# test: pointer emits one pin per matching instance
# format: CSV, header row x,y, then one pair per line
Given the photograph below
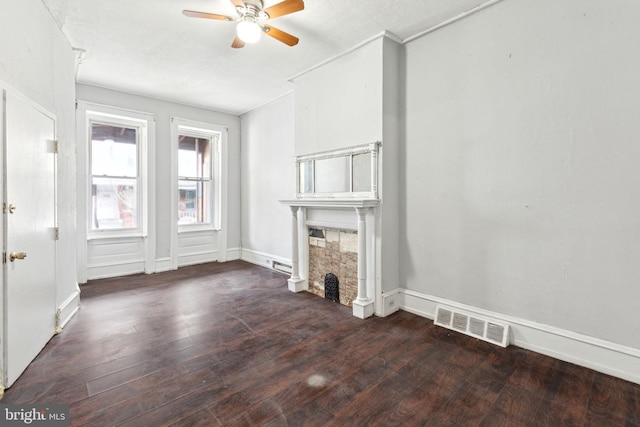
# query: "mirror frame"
x,y
371,148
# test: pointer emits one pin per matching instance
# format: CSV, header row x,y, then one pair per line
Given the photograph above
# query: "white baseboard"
x,y
166,264
197,258
106,270
390,303
122,268
593,353
263,259
163,264
234,254
69,308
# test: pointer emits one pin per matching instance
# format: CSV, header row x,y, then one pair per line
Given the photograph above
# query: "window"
x,y
198,175
116,146
194,184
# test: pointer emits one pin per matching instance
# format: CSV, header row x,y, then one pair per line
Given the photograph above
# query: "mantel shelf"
x,y
332,203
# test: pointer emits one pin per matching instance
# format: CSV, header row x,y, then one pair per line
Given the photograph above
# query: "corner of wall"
x,y
68,309
390,302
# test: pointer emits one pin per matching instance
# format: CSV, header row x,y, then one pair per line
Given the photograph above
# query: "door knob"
x,y
17,255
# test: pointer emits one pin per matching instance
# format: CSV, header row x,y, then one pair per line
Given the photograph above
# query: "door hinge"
x,y
56,233
4,208
56,145
4,257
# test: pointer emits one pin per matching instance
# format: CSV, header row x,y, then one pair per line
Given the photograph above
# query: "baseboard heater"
x,y
473,325
278,266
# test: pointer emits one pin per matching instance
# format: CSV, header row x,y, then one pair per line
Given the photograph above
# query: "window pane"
x,y
187,159
114,203
194,203
194,157
204,158
113,150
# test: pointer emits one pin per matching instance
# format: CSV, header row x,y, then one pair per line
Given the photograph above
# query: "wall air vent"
x,y
281,267
473,325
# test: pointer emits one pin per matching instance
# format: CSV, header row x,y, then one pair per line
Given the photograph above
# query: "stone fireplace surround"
x,y
334,251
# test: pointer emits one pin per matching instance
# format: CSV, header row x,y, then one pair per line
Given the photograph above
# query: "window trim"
x,y
216,134
213,138
218,235
143,123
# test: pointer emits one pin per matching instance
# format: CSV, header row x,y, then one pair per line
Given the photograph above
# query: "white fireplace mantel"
x,y
332,203
363,305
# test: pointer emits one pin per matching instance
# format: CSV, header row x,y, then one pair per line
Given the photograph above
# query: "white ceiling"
x,y
148,47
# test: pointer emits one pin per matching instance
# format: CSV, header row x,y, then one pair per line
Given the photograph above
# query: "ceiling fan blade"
x,y
284,8
280,35
237,3
194,14
237,43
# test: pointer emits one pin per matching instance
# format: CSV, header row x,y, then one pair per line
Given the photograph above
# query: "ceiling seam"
x,y
451,21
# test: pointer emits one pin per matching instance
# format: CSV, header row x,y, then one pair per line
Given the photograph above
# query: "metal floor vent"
x,y
283,268
473,325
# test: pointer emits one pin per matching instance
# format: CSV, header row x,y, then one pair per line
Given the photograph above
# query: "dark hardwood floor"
x,y
228,344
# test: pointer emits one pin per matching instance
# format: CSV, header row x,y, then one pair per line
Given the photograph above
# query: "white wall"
x,y
37,60
521,162
163,111
268,175
339,104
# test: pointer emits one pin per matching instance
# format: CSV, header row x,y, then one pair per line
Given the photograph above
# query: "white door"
x,y
29,234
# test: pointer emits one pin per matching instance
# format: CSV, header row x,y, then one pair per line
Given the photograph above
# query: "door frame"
x,y
4,89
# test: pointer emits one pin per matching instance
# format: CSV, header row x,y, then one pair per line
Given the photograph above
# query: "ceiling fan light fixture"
x,y
249,31
251,20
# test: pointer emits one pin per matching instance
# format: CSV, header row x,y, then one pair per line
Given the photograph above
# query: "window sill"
x,y
115,235
192,228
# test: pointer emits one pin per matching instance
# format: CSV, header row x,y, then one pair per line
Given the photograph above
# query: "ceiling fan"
x,y
251,17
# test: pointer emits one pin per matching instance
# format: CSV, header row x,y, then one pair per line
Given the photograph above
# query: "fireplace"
x,y
338,190
366,259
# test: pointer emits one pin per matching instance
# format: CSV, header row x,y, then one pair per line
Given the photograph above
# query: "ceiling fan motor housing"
x,y
253,10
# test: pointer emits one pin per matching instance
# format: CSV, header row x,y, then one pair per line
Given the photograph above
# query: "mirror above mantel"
x,y
349,173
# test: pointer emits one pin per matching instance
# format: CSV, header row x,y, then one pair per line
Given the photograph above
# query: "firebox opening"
x,y
332,287
333,252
